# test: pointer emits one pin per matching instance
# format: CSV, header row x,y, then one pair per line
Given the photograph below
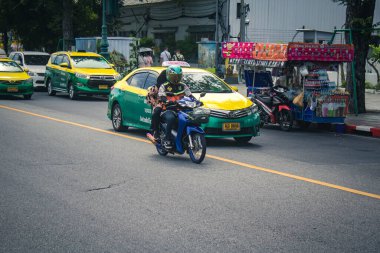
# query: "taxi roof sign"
x,y
179,63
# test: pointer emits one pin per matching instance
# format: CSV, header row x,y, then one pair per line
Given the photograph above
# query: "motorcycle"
x,y
188,136
274,107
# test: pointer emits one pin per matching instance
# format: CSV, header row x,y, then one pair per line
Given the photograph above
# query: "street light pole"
x,y
104,43
216,36
242,21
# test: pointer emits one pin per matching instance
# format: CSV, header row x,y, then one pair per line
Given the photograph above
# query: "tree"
x,y
373,59
359,18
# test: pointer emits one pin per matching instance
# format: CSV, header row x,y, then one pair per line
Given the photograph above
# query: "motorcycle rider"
x,y
168,93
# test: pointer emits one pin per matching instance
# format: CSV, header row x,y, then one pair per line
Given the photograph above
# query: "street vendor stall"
x,y
320,100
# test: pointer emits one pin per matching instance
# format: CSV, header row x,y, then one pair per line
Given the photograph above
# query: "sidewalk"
x,y
367,123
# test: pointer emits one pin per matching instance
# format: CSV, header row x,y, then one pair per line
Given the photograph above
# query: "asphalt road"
x,y
69,183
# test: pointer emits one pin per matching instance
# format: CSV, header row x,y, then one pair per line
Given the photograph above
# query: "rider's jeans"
x,y
169,118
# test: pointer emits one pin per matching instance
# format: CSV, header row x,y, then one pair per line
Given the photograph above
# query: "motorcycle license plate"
x,y
12,89
103,87
231,126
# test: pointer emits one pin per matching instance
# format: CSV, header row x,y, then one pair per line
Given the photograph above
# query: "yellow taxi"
x,y
232,114
14,80
79,73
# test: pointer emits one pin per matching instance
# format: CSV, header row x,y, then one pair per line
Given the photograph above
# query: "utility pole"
x,y
104,43
242,21
216,36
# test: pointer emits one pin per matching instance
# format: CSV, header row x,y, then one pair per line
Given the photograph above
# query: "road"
x,y
69,183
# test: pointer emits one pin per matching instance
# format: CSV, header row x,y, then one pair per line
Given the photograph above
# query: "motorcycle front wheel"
x,y
161,150
198,151
286,120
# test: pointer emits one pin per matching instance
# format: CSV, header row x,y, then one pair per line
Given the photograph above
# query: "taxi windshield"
x,y
90,62
205,82
10,66
36,59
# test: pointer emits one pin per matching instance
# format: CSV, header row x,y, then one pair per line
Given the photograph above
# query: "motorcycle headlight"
x,y
82,76
117,77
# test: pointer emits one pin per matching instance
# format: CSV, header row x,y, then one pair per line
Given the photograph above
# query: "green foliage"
x,y
375,55
369,85
188,48
147,42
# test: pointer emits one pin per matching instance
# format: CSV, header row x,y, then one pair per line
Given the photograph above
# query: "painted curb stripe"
x,y
218,158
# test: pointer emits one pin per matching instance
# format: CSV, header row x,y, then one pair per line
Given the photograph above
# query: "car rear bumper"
x,y
249,126
20,89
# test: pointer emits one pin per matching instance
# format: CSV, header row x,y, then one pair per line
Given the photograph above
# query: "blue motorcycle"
x,y
188,136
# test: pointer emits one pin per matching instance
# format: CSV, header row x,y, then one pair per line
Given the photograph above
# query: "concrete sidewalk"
x,y
368,123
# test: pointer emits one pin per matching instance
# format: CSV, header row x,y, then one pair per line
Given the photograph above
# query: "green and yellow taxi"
x,y
232,114
79,73
14,80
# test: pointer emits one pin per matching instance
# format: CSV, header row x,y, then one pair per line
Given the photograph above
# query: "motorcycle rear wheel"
x,y
198,152
286,120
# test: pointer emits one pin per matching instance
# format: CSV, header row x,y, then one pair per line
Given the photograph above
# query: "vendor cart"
x,y
320,101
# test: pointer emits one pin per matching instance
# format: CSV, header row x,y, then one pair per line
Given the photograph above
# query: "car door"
x,y
63,74
150,81
55,72
134,100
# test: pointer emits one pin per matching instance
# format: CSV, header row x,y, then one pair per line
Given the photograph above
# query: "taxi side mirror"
x,y
64,65
234,88
112,65
26,70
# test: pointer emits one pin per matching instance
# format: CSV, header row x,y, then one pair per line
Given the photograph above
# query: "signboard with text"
x,y
298,51
257,51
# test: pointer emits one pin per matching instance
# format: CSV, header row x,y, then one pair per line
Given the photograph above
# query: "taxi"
x,y
14,80
232,114
79,73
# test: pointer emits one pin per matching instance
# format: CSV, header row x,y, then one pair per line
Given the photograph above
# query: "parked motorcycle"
x,y
188,136
274,107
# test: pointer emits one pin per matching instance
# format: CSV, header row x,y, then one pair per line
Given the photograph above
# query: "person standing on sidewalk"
x,y
165,55
178,56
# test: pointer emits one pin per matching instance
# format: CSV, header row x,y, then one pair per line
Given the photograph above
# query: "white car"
x,y
35,62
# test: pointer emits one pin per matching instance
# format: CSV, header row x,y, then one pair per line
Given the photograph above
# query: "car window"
x,y
205,82
90,62
53,59
35,59
58,60
66,60
138,79
11,56
150,81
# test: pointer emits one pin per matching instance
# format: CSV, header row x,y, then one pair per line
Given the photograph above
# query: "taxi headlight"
x,y
117,77
29,80
254,108
201,111
31,73
82,76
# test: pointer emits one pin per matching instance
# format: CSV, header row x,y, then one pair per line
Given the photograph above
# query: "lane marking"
x,y
218,158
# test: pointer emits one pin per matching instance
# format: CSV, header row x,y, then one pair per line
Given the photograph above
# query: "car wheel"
x,y
243,140
72,93
28,97
50,90
117,119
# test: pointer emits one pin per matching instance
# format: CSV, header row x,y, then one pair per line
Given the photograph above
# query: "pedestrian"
x,y
148,60
165,55
141,60
178,56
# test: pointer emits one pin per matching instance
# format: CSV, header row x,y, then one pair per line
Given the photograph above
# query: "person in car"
x,y
170,92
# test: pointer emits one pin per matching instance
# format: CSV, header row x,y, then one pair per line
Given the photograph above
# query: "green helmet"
x,y
174,74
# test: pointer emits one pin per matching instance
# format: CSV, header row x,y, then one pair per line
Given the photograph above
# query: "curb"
x,y
373,131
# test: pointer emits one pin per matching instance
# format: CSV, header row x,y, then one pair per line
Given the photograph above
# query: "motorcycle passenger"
x,y
152,99
170,92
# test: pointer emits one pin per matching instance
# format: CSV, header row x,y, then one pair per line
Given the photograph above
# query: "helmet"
x,y
174,74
